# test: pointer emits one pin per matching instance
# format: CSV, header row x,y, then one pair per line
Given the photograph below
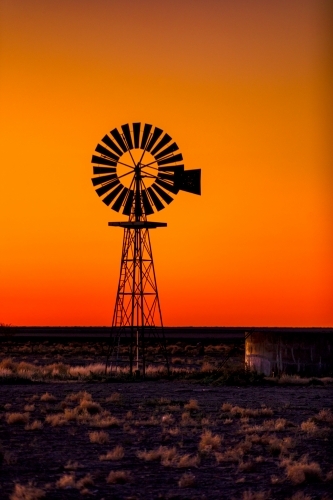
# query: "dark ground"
x,y
279,454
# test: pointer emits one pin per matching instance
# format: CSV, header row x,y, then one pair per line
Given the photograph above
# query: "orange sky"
x,y
242,86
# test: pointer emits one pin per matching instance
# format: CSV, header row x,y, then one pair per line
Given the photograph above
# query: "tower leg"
x,y
137,313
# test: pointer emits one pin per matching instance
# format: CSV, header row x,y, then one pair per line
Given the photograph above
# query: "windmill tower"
x,y
136,170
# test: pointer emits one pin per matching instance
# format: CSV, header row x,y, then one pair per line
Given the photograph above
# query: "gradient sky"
x,y
242,86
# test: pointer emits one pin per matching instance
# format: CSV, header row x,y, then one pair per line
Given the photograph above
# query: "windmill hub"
x,y
138,171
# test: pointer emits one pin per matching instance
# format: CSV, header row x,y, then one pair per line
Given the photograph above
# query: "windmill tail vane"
x,y
137,170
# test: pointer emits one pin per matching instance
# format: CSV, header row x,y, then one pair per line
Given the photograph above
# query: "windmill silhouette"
x,y
137,168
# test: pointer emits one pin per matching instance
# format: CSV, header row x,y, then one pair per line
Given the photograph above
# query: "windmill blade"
x,y
167,177
136,133
109,142
102,161
170,149
190,181
162,193
163,142
145,135
104,170
111,196
172,168
119,201
105,178
101,149
171,159
155,199
169,187
119,139
104,189
148,209
129,203
127,134
156,134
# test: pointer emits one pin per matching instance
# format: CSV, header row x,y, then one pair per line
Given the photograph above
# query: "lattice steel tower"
x,y
135,169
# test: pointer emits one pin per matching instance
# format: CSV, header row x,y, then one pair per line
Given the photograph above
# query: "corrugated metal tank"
x,y
295,353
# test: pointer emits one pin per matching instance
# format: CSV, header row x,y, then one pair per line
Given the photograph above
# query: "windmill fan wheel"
x,y
137,168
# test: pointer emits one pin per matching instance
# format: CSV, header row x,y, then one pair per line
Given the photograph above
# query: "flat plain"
x,y
162,439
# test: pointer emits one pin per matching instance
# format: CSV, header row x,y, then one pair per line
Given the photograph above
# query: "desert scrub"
x,y
256,495
302,471
192,405
161,453
118,477
17,418
66,481
187,480
47,397
99,437
116,454
34,426
27,492
209,442
309,426
240,412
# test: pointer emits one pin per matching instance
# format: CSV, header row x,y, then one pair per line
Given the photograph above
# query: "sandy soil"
x,y
248,457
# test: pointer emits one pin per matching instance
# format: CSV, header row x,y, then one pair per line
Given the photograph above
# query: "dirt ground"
x,y
175,440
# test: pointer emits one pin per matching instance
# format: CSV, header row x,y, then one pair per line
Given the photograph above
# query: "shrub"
x,y
99,437
17,418
116,454
47,397
161,453
208,442
26,492
302,471
118,477
192,405
187,480
56,420
29,408
256,495
309,427
35,425
116,397
66,481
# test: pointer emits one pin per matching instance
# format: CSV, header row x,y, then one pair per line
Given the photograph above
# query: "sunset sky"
x,y
242,86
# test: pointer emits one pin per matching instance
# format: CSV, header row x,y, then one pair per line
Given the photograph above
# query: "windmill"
x,y
137,168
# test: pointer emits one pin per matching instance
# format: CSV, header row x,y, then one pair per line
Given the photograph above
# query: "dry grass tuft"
x,y
84,482
66,481
302,471
17,418
161,453
26,492
116,454
167,419
76,397
34,426
29,407
240,412
99,437
56,420
325,416
300,495
256,495
118,477
71,465
47,397
209,442
309,427
116,397
183,461
192,405
187,480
